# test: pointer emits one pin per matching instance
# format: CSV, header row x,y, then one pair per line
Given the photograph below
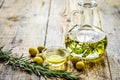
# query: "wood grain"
x,y
1,3
110,17
29,23
6,37
98,72
22,27
55,30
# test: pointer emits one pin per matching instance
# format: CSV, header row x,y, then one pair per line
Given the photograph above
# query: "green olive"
x,y
80,65
38,60
33,52
40,55
40,48
74,59
69,57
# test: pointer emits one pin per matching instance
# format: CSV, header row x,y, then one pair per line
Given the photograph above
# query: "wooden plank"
x,y
1,3
56,34
5,38
55,31
110,14
6,73
23,25
15,31
34,77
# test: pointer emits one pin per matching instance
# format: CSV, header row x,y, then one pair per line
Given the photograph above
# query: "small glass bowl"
x,y
55,55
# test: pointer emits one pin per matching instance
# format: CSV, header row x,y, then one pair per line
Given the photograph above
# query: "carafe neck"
x,y
88,7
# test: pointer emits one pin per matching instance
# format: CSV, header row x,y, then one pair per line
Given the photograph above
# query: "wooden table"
x,y
30,23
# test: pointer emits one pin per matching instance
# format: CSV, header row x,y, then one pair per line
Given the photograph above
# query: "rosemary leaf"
x,y
31,67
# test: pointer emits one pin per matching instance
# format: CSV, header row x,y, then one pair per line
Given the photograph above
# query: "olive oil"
x,y
55,59
86,43
55,56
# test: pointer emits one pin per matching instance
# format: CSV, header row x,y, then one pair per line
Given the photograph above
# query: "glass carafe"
x,y
85,40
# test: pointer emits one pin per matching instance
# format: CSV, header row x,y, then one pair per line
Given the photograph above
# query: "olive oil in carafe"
x,y
86,40
88,43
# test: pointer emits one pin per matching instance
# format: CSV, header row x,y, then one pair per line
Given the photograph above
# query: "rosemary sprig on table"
x,y
31,67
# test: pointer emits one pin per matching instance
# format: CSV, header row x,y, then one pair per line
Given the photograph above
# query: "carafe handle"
x,y
76,16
